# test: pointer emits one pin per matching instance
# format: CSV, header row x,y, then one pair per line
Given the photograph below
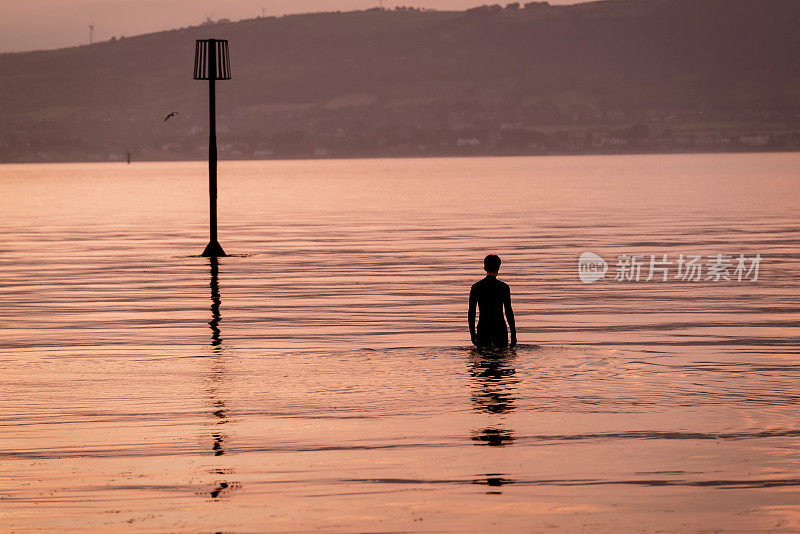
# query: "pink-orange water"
x,y
321,379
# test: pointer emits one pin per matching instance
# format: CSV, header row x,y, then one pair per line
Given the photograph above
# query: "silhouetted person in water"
x,y
491,295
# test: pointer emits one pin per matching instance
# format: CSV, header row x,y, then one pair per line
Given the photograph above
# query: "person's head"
x,y
491,264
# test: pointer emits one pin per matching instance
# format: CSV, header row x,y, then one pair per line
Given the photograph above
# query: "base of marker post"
x,y
213,250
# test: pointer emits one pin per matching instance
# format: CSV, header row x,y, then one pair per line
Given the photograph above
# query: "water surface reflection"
x,y
217,377
216,301
494,381
493,387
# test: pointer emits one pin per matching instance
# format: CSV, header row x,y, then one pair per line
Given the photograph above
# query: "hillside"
x,y
612,76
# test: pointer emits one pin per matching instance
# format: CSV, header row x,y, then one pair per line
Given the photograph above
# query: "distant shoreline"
x,y
420,156
524,79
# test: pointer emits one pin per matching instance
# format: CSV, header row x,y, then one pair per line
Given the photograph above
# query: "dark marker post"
x,y
212,62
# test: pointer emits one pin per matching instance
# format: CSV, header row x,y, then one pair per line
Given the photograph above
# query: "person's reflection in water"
x,y
216,376
494,380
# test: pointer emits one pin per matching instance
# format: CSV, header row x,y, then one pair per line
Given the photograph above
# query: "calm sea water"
x,y
322,379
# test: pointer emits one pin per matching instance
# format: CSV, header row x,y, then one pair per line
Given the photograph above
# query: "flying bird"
x,y
173,114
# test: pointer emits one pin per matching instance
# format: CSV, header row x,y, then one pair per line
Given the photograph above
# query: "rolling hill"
x,y
609,76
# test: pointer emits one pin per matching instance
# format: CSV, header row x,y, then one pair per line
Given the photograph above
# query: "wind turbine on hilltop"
x,y
91,33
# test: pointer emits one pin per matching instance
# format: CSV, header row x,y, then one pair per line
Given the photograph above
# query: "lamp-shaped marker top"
x,y
212,62
220,60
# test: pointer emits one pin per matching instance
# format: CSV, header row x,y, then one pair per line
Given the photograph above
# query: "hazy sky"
x,y
43,24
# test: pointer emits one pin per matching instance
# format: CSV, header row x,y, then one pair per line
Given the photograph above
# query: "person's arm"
x,y
510,316
473,301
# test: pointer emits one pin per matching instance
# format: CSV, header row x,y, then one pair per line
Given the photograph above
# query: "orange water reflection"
x,y
335,388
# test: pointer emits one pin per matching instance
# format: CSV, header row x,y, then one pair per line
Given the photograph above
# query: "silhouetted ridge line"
x,y
602,77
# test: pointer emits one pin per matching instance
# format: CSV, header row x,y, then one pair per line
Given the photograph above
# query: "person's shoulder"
x,y
480,283
503,285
